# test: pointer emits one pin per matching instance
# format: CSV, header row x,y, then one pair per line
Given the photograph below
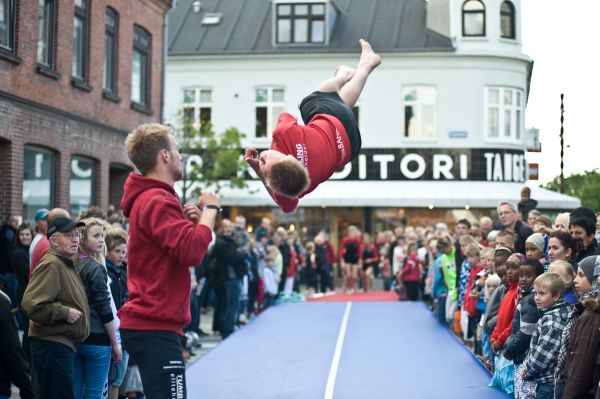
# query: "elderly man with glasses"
x,y
56,303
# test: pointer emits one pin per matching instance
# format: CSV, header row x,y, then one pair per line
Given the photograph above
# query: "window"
x,y
269,103
504,116
473,18
111,24
301,23
45,46
38,180
80,39
7,25
507,20
197,107
419,112
140,68
82,184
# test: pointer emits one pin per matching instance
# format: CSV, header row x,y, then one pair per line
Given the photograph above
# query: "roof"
x,y
245,28
409,194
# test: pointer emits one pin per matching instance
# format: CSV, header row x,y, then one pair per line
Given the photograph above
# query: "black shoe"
x,y
200,333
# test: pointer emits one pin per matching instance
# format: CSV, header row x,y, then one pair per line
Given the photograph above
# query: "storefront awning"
x,y
409,194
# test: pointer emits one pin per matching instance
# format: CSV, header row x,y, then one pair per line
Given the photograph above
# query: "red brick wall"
x,y
89,125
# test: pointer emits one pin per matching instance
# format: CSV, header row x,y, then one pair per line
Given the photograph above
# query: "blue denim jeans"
x,y
91,370
233,289
116,373
441,310
545,391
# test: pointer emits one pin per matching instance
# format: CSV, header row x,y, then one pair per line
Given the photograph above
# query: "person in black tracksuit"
x,y
230,266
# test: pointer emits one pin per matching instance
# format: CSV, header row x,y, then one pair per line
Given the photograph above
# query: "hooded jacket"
x,y
162,245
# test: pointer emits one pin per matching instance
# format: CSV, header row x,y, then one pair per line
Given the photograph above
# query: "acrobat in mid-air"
x,y
302,157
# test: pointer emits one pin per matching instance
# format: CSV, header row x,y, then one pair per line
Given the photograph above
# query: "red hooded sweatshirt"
x,y
162,245
506,313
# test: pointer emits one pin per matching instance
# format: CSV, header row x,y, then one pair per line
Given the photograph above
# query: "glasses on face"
x,y
71,236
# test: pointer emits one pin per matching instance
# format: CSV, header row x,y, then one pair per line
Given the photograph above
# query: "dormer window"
x,y
300,23
473,18
507,20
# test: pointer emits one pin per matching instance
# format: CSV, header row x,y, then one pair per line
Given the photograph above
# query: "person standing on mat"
x,y
165,239
302,157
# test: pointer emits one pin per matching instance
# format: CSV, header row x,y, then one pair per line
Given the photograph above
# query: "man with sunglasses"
x,y
56,304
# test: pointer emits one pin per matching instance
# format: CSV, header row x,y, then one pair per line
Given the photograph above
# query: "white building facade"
x,y
442,118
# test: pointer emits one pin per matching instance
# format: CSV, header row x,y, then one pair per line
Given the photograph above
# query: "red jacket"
x,y
506,313
162,245
470,303
410,270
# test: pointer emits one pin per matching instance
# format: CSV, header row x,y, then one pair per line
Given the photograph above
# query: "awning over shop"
x,y
410,194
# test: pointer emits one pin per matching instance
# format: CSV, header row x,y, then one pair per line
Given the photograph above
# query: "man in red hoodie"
x,y
164,241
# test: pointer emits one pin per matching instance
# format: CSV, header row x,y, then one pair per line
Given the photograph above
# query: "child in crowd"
x,y
275,253
584,281
411,273
506,312
506,238
492,283
565,270
542,359
438,289
536,247
302,157
490,318
116,245
491,238
310,269
270,281
448,268
526,317
472,293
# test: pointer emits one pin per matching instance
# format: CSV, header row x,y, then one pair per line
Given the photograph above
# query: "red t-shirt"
x,y
313,145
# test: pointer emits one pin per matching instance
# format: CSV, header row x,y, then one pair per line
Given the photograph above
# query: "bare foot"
x,y
368,57
344,72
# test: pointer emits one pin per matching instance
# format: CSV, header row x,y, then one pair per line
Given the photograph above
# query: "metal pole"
x,y
562,144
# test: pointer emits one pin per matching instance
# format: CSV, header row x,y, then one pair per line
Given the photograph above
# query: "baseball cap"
x,y
41,214
62,224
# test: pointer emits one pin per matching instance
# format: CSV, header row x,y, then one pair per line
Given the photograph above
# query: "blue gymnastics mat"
x,y
389,350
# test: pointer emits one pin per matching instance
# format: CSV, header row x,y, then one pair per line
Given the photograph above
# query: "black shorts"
x,y
331,104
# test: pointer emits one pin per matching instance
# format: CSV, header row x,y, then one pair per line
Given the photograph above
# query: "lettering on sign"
x,y
439,164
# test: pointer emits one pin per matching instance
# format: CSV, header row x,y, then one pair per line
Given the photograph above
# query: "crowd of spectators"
x,y
520,291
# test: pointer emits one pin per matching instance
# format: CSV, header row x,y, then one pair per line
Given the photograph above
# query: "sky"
x,y
563,39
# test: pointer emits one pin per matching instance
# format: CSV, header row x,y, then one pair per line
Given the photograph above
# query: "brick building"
x,y
75,77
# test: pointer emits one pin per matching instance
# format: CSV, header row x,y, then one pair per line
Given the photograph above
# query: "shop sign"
x,y
438,164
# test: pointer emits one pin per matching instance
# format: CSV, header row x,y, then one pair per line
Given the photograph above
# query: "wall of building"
x,y
460,83
52,113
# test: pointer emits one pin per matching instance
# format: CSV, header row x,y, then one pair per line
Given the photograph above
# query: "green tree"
x,y
585,186
214,160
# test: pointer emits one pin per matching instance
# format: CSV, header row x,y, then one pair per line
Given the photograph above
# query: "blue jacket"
x,y
439,286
